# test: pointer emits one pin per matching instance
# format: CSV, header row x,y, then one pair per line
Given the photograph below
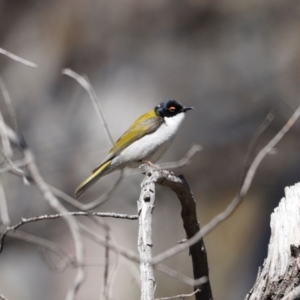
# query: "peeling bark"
x,y
280,273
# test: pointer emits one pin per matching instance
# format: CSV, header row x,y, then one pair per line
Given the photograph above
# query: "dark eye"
x,y
172,109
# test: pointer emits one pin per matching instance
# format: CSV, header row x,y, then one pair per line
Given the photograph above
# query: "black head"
x,y
170,108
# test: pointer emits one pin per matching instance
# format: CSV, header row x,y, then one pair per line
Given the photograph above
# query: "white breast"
x,y
151,146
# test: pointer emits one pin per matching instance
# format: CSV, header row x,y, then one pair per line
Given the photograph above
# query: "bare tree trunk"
x,y
281,270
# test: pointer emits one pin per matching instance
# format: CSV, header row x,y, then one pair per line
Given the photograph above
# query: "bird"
x,y
146,140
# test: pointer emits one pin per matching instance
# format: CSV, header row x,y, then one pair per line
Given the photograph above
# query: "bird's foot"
x,y
149,163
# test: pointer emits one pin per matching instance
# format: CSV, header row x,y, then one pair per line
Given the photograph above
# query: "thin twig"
x,y
58,193
4,137
130,255
4,216
18,141
132,269
254,143
54,266
91,205
88,87
2,297
179,276
10,107
56,205
18,58
183,161
183,296
237,199
13,165
46,244
106,268
108,289
62,215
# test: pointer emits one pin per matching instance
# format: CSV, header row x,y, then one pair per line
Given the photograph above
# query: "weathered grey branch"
x,y
9,105
146,205
67,258
190,222
18,58
2,297
183,296
84,82
57,216
4,216
4,137
185,160
93,204
281,269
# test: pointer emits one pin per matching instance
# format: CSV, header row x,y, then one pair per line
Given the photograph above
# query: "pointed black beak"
x,y
186,108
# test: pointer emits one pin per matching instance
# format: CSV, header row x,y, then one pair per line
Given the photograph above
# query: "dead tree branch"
x,y
18,58
9,105
183,296
179,276
66,259
93,204
190,222
88,87
280,273
185,160
146,205
57,216
2,297
4,216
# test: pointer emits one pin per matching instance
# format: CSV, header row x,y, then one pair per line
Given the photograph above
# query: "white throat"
x,y
174,122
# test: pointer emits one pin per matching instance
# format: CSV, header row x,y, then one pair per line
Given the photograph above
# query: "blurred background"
x,y
232,60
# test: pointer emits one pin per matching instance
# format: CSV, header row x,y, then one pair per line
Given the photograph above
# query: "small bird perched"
x,y
147,139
